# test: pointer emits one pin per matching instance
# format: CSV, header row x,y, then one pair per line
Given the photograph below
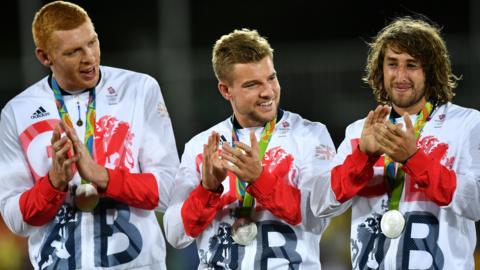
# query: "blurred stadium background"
x,y
320,52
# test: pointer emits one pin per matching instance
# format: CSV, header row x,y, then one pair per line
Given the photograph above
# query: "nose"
x,y
88,56
268,91
401,73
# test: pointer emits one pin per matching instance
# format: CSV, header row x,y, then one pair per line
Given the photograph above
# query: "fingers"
x,y
70,133
376,113
253,141
408,122
234,169
391,132
384,143
67,165
377,116
206,168
62,151
56,134
59,143
385,136
369,121
206,156
239,153
242,150
395,129
209,150
231,158
213,142
380,114
231,154
383,113
77,144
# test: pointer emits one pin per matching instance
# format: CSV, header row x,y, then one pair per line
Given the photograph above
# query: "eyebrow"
x,y
249,82
273,74
392,58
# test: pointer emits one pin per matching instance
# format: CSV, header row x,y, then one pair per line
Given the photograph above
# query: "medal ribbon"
x,y
245,198
90,120
394,173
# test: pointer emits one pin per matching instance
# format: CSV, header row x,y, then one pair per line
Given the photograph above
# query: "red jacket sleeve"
x,y
199,210
139,190
40,204
353,175
437,181
278,196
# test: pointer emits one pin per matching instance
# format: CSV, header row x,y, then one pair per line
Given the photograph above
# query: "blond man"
x,y
243,186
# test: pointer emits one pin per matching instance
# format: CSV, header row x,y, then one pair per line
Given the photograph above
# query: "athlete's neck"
x,y
72,92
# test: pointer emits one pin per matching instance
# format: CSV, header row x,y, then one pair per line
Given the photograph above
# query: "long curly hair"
x,y
422,41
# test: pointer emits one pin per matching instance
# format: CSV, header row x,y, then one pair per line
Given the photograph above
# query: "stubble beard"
x,y
407,102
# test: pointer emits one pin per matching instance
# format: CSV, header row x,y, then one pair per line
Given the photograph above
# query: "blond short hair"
x,y
58,15
422,41
240,46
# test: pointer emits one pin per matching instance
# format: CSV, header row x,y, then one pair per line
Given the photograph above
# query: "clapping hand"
x,y
368,142
244,160
87,167
213,168
398,144
63,161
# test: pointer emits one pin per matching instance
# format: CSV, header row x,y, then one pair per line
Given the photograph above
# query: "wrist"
x,y
55,182
103,178
364,151
253,179
409,157
212,188
361,148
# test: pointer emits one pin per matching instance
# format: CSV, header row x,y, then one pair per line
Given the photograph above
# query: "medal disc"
x,y
392,223
86,197
244,232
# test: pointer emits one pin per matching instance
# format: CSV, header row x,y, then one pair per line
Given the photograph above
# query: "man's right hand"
x,y
213,168
368,143
62,169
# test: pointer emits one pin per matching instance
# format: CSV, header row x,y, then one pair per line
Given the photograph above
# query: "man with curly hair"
x,y
413,164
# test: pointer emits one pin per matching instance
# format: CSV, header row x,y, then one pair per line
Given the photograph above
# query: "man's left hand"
x,y
398,144
244,160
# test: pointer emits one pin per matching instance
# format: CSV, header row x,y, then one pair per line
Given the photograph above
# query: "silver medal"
x,y
86,197
244,232
392,223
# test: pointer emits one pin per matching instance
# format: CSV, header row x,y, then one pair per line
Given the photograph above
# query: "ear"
x,y
43,57
224,90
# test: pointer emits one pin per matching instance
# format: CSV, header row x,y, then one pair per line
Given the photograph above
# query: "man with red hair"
x,y
87,153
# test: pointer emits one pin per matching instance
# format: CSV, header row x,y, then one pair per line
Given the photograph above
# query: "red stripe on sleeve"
x,y
40,204
139,190
349,178
278,196
199,210
437,181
